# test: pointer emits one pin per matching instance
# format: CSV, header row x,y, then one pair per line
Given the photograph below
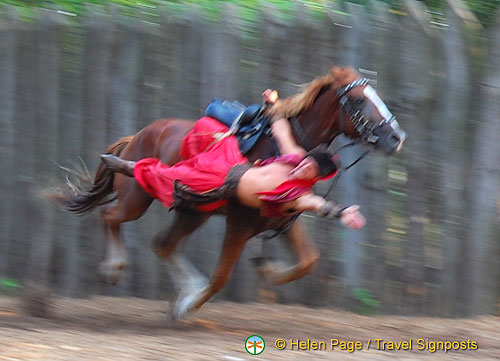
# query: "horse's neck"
x,y
320,122
265,148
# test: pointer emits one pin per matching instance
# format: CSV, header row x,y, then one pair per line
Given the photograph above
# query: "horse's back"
x,y
160,139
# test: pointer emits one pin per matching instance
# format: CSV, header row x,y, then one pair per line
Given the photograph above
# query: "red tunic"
x,y
287,191
205,165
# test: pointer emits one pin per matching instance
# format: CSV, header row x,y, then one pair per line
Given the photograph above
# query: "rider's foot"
x,y
118,165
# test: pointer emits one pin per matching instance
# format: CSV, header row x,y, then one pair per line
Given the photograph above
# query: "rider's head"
x,y
318,163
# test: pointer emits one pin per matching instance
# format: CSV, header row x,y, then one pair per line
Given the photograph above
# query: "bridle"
x,y
364,127
357,120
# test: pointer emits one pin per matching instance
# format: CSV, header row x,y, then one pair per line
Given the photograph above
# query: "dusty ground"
x,y
133,329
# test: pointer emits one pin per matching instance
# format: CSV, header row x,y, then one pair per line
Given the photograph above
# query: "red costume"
x,y
287,191
207,160
205,166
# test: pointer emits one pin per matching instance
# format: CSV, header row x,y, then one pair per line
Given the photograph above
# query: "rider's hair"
x,y
328,162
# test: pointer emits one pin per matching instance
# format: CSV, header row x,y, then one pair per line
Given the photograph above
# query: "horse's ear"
x,y
341,76
344,76
335,73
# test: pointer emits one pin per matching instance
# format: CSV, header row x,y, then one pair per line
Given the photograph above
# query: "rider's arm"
x,y
281,129
349,216
313,203
282,132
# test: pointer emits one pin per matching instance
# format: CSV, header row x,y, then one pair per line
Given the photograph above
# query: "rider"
x,y
214,169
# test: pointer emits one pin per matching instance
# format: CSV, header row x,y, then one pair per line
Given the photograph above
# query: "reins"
x,y
343,169
294,122
286,226
357,119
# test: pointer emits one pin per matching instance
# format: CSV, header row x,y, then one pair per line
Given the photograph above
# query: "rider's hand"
x,y
270,96
352,218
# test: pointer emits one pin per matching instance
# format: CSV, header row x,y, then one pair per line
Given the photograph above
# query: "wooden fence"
x,y
69,87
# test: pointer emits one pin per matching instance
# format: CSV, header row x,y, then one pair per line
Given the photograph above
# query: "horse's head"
x,y
365,116
340,102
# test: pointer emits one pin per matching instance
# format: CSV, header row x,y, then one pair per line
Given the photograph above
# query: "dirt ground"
x,y
105,328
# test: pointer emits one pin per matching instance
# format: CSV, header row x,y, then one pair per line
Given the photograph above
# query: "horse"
x,y
338,102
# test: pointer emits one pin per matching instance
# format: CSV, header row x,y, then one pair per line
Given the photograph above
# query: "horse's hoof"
x,y
110,273
270,271
185,303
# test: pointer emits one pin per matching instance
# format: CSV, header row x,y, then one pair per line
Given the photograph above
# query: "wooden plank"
x,y
353,45
318,45
415,93
374,175
24,155
154,46
122,117
8,35
99,43
479,266
71,126
454,99
50,33
155,52
227,85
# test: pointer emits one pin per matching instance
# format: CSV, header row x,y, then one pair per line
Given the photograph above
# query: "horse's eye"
x,y
359,101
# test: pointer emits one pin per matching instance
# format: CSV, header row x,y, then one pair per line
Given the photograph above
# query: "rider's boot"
x,y
118,165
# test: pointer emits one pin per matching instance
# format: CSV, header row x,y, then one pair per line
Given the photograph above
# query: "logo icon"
x,y
255,345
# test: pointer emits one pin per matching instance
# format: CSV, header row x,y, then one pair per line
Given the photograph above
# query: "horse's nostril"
x,y
395,138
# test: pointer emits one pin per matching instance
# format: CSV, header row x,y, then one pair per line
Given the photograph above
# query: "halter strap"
x,y
346,106
363,127
334,182
346,89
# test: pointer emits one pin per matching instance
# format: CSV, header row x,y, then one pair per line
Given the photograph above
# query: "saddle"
x,y
246,122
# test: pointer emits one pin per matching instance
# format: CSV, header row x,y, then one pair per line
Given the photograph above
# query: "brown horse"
x,y
338,102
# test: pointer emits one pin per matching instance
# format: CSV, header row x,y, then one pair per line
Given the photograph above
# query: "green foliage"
x,y
483,9
210,6
9,286
366,305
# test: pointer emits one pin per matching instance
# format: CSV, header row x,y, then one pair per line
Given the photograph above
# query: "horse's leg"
x,y
184,275
183,225
236,236
187,279
132,203
307,256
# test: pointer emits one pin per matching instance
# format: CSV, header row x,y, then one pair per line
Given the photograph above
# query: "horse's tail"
x,y
84,194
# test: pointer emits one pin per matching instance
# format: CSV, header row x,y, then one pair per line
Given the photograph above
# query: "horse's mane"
x,y
293,105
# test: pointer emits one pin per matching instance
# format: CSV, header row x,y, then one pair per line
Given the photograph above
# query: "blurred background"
x,y
77,75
